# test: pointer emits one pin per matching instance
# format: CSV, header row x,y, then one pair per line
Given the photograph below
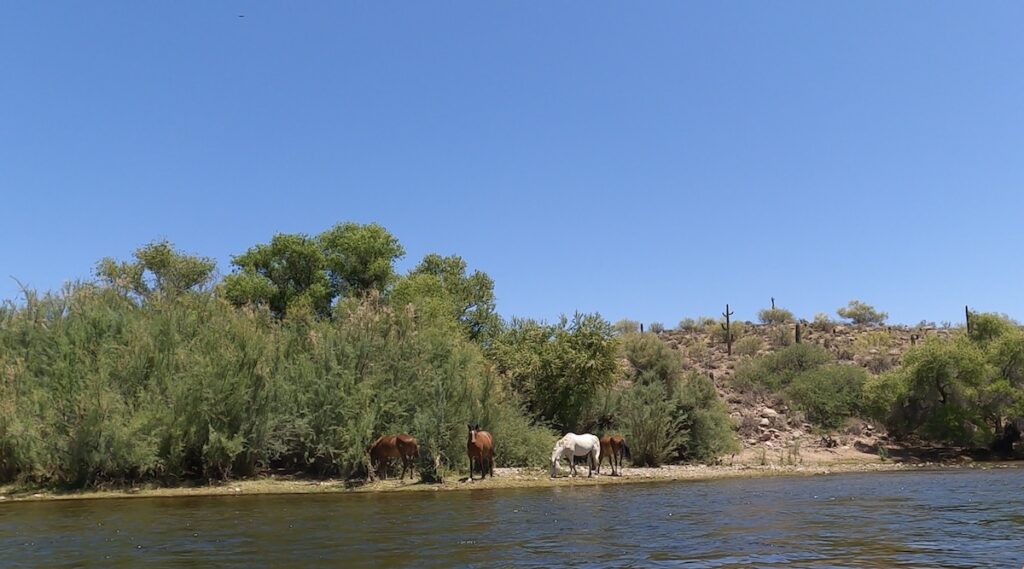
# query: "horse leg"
x,y
470,469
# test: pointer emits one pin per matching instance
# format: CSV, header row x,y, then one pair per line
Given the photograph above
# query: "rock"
x,y
769,413
765,422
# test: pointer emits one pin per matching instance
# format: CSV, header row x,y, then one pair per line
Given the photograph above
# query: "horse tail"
x,y
625,450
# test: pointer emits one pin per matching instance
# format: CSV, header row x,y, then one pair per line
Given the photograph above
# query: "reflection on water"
x,y
921,519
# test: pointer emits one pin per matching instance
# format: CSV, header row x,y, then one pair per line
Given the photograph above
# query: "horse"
x,y
614,447
572,445
394,446
480,447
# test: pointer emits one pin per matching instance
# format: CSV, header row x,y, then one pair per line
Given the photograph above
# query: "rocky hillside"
x,y
766,421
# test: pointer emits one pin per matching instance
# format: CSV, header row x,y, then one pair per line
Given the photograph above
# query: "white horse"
x,y
573,445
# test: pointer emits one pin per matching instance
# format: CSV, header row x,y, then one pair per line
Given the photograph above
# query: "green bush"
x,y
862,313
774,372
822,322
748,346
988,326
656,328
99,386
651,360
773,316
828,395
626,326
688,325
705,428
648,418
716,329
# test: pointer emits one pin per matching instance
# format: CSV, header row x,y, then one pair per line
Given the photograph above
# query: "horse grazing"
x,y
614,447
393,446
572,445
480,447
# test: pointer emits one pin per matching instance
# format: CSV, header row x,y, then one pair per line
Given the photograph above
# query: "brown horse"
x,y
394,446
614,447
480,447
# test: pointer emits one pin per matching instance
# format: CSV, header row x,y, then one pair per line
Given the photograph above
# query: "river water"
x,y
969,518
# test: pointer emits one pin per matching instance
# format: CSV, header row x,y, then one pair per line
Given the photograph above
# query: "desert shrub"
x,y
656,328
705,429
829,394
626,326
716,329
775,371
873,349
651,360
861,313
697,351
748,346
774,316
822,322
688,325
649,419
782,336
988,326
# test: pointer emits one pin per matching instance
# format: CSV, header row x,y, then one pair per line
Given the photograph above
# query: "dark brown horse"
x,y
614,447
394,446
480,447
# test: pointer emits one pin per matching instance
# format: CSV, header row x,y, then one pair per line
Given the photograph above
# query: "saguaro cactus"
x,y
967,315
728,330
797,332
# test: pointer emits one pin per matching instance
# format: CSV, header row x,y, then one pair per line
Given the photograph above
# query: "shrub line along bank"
x,y
314,346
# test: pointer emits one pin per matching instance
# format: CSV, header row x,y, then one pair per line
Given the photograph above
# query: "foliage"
x,y
442,281
96,388
688,325
558,368
988,326
777,370
705,429
651,360
359,258
298,272
829,394
286,274
773,316
158,269
822,322
649,419
716,329
656,328
626,326
862,313
748,346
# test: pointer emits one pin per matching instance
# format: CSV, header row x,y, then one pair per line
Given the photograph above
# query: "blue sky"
x,y
652,161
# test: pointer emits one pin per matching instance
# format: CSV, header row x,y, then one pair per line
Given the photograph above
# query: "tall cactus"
x,y
728,330
967,315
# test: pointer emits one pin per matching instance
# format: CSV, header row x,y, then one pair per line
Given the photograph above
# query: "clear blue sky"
x,y
652,161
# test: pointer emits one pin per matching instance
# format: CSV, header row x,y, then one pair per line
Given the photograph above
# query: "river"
x,y
960,518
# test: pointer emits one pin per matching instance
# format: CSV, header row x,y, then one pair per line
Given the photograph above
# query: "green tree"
x,y
470,298
862,313
359,258
283,275
158,269
559,368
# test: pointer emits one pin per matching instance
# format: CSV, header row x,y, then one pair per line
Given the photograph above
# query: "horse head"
x,y
473,429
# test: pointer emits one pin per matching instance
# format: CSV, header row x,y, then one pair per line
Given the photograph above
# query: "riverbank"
x,y
746,465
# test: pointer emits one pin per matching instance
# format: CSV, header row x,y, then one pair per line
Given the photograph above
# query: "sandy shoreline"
x,y
743,466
